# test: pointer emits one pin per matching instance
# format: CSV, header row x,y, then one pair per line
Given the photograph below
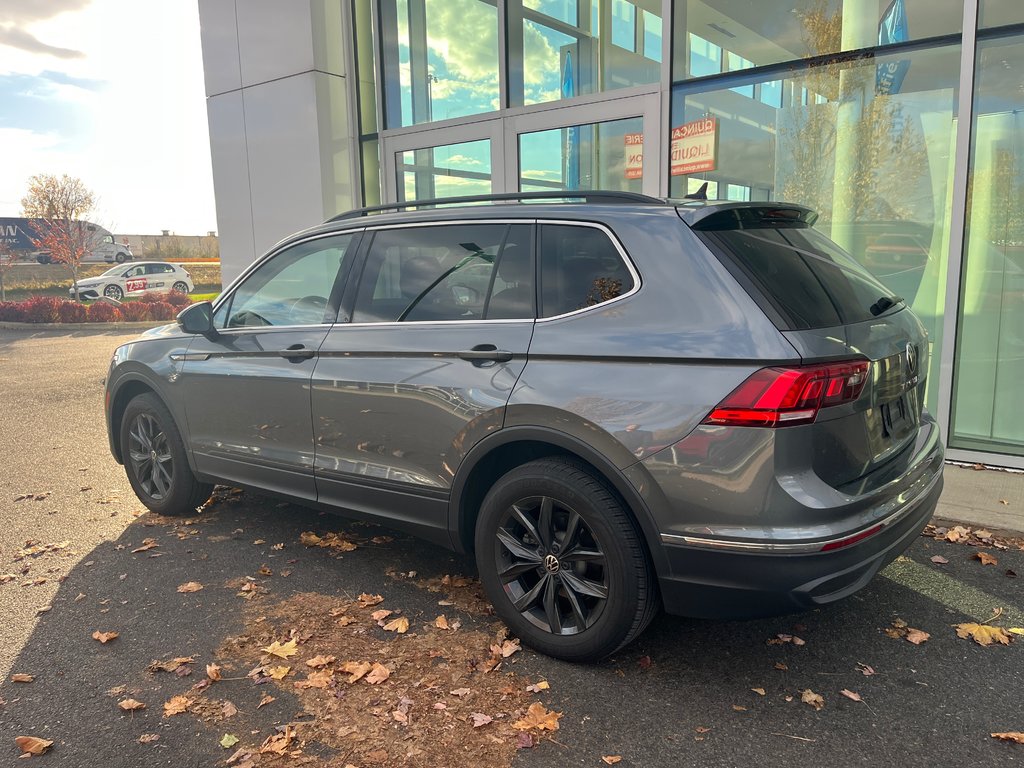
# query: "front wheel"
x,y
563,562
121,258
155,461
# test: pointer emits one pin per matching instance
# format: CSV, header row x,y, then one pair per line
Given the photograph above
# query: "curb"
x,y
119,326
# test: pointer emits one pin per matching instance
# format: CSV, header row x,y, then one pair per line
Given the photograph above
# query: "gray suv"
x,y
617,402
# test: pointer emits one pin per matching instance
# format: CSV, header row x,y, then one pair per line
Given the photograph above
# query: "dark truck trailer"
x,y
17,235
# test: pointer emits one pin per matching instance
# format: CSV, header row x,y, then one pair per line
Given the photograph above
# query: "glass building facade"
x,y
900,121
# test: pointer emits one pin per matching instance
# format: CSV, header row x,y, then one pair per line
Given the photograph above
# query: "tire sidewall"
x,y
182,289
173,502
619,613
116,296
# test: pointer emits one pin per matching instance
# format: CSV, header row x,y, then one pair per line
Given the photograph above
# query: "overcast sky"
x,y
110,91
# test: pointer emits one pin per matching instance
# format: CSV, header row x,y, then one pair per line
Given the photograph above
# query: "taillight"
x,y
779,397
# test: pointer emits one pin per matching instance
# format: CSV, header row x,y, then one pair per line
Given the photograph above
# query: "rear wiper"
x,y
884,303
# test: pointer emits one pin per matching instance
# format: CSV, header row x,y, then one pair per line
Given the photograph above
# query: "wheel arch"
x,y
497,454
127,388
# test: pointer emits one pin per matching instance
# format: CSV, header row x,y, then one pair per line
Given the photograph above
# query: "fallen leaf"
x,y
265,571
378,674
319,679
611,759
702,729
480,719
758,691
645,662
380,615
319,661
739,708
864,669
524,741
441,622
985,558
1016,736
228,709
916,636
171,665
176,705
939,560
130,705
780,666
365,600
538,687
279,743
983,634
377,756
538,717
147,544
228,740
355,669
399,625
282,651
851,695
507,648
32,745
981,533
105,637
957,533
460,692
807,696
267,698
21,678
1016,630
213,672
278,673
190,586
148,738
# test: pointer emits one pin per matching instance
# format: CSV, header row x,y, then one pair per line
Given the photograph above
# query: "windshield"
x,y
113,271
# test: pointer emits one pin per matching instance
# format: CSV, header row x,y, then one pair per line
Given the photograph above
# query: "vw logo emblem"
x,y
911,358
551,564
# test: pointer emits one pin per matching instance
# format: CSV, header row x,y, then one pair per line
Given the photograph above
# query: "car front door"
x,y
246,390
136,281
441,324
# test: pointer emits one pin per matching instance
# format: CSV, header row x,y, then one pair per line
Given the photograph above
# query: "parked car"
x,y
702,406
141,277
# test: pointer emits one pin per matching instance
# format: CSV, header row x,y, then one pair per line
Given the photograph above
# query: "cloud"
x,y
27,11
19,38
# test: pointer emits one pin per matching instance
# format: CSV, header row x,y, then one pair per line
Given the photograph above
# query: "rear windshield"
x,y
809,280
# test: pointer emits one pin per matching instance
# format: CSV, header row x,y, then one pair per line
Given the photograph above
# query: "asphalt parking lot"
x,y
688,693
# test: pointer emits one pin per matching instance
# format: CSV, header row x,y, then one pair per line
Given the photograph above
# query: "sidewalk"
x,y
976,497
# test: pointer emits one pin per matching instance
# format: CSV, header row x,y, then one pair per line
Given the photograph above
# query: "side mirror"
x,y
198,318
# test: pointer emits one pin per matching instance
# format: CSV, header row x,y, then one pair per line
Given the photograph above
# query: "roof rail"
x,y
590,196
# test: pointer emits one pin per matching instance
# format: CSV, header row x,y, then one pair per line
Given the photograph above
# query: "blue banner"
x,y
892,28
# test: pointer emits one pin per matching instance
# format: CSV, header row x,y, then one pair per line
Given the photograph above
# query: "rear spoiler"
x,y
731,215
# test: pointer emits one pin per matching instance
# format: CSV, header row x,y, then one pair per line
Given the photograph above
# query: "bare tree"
x,y
59,207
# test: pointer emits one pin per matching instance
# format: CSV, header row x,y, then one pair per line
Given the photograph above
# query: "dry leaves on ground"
x,y
171,665
176,705
538,718
105,637
399,625
900,629
366,601
983,634
985,558
1016,736
281,650
22,678
130,705
147,544
782,639
807,696
319,661
327,541
190,586
611,759
213,672
32,745
851,695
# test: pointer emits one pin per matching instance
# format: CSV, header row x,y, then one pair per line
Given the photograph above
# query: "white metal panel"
x,y
230,182
281,119
219,34
275,39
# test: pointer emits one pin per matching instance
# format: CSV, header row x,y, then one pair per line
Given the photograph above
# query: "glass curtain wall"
x,y
989,364
606,155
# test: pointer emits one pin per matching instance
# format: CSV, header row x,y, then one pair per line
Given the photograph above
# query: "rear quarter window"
x,y
580,267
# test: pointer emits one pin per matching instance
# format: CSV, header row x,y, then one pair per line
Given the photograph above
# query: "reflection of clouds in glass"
x,y
463,160
542,69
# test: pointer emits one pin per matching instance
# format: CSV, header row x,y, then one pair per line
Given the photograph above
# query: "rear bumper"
x,y
709,583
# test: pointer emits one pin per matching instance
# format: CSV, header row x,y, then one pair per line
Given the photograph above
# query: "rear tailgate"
x,y
830,308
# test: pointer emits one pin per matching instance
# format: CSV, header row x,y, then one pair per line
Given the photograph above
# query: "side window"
x,y
580,267
446,273
291,288
138,271
107,239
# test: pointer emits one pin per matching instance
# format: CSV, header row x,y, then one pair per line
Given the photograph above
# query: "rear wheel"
x,y
113,292
180,287
155,461
563,562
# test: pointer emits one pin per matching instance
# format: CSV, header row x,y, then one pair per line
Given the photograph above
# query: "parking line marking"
x,y
952,593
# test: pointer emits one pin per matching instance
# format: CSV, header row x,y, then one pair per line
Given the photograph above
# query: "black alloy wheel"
x,y
154,459
563,560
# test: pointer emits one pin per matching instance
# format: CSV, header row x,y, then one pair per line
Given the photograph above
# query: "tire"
x,y
576,609
43,259
121,258
113,292
181,287
155,461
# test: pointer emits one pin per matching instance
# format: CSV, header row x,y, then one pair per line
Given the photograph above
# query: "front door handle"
x,y
486,352
297,352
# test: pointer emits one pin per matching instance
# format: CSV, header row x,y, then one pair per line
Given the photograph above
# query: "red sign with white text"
x,y
634,155
695,147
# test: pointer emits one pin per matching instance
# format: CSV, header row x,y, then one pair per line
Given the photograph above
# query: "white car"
x,y
130,281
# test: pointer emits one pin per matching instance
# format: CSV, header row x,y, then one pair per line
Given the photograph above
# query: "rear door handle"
x,y
486,352
297,352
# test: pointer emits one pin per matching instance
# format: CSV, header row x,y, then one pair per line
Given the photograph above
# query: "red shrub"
x,y
12,312
72,312
162,310
101,312
151,297
136,310
178,299
43,309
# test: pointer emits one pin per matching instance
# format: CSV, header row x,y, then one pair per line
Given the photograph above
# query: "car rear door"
x,y
440,328
246,390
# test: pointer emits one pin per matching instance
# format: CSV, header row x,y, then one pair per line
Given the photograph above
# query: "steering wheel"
x,y
307,305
